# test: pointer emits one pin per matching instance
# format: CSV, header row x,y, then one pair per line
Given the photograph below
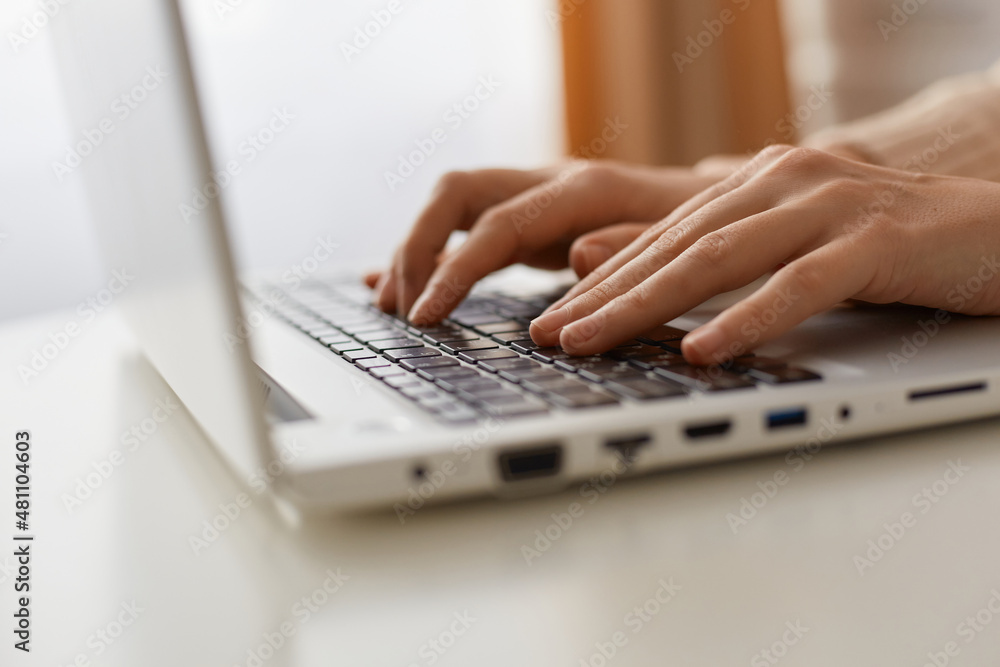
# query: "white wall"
x,y
325,173
874,53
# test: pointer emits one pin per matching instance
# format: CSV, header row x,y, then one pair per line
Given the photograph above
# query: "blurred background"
x,y
681,79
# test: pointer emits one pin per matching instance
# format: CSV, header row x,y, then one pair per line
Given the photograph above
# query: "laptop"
x,y
348,407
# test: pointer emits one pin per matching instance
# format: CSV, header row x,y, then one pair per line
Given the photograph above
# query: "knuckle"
x,y
711,249
804,277
845,189
803,159
493,217
665,243
641,298
773,152
592,174
599,294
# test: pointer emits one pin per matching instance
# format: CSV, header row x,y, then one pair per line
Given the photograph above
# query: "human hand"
x,y
836,228
579,212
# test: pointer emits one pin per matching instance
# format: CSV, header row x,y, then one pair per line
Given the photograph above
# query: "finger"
x,y
807,286
577,201
718,262
458,200
735,180
385,291
594,248
715,215
372,277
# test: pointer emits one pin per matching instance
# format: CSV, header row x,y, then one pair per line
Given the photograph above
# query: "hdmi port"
x,y
708,430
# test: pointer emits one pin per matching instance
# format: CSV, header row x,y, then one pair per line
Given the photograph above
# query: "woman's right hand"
x,y
578,213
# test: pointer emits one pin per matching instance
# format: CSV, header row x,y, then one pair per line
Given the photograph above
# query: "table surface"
x,y
829,570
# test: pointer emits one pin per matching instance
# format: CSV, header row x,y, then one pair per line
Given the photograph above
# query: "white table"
x,y
452,586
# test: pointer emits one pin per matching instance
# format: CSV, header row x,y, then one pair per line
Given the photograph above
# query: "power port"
x,y
627,447
524,464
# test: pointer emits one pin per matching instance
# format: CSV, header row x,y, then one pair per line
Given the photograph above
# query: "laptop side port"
x,y
627,447
936,392
708,429
524,464
785,418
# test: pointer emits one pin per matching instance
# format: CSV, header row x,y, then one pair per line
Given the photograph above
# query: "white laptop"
x,y
353,408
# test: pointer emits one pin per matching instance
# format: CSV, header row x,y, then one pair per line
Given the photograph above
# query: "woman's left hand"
x,y
836,228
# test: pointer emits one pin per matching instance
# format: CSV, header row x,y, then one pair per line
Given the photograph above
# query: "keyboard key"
x,y
659,361
643,388
371,324
783,375
582,400
573,363
484,388
474,356
373,362
550,354
388,371
439,403
334,338
521,309
744,364
423,391
357,355
341,348
468,345
394,344
323,330
539,372
378,334
526,408
558,385
662,333
429,362
401,381
525,346
458,414
412,353
494,396
710,378
619,371
511,337
433,374
452,384
477,319
449,336
497,365
504,326
637,352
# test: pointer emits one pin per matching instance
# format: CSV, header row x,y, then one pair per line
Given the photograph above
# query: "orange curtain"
x,y
671,81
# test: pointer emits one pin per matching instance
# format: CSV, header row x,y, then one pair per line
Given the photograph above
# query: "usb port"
x,y
786,417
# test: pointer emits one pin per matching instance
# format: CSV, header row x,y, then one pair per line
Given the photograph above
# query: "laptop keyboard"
x,y
481,361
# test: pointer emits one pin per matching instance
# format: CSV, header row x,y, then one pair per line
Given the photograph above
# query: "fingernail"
x,y
416,315
707,341
579,332
550,322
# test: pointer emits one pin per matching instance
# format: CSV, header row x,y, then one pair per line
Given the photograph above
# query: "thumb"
x,y
591,250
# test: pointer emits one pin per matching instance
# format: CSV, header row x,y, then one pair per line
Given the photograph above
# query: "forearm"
x,y
952,127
